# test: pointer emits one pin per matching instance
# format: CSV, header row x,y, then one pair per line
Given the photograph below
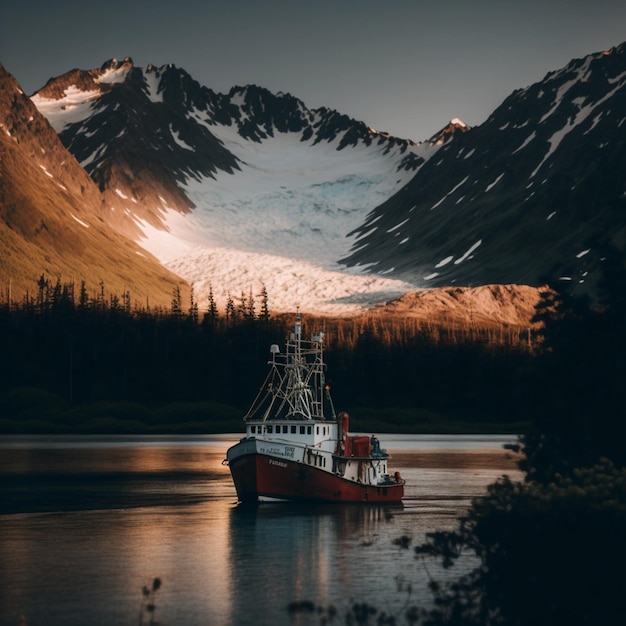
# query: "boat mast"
x,y
298,374
295,387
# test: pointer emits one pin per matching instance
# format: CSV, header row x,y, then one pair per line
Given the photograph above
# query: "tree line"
x,y
78,349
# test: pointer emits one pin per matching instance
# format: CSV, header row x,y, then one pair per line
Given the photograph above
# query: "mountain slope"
x,y
49,215
536,192
235,191
232,190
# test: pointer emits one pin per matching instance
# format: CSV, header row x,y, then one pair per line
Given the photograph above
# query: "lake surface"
x,y
86,522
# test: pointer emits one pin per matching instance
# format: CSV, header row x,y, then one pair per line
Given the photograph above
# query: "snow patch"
x,y
467,254
114,75
580,117
494,183
179,141
398,225
449,193
152,83
289,282
79,220
526,142
75,106
46,172
443,262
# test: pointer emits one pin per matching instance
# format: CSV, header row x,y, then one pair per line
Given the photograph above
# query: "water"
x,y
86,522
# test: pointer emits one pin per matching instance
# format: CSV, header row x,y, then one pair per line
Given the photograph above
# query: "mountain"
x,y
535,193
50,220
250,189
232,191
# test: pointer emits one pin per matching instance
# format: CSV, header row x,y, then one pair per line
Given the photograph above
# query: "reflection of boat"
x,y
296,448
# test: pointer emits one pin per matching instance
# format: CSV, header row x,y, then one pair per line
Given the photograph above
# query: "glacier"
x,y
281,222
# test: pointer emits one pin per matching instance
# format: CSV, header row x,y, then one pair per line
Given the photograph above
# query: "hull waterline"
x,y
258,477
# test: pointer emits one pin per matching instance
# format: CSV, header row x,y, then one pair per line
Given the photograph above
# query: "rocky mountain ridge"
x,y
49,215
535,193
249,188
141,134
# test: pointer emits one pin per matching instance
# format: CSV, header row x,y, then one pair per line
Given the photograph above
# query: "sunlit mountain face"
x,y
247,189
50,217
235,191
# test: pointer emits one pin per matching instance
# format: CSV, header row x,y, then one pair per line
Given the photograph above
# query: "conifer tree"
x,y
264,315
57,292
42,292
242,308
193,306
83,298
126,301
231,311
101,302
177,305
212,310
250,312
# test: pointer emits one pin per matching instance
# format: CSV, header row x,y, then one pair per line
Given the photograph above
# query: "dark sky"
x,y
402,66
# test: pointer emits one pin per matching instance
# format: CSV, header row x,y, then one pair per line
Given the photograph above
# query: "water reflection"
x,y
105,476
283,552
85,524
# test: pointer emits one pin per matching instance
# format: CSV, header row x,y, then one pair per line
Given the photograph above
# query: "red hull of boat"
x,y
257,475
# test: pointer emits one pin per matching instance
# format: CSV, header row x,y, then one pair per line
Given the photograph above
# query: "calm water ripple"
x,y
85,522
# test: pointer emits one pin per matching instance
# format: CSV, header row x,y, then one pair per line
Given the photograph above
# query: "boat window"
x,y
285,429
252,429
302,430
293,430
270,429
308,430
318,430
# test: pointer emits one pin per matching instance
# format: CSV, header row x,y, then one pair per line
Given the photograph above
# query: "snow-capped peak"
x,y
252,188
455,125
115,72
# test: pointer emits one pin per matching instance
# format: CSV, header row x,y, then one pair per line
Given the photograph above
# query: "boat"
x,y
296,448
